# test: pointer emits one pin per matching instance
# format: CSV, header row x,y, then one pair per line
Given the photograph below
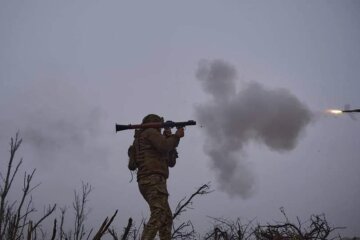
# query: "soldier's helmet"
x,y
152,118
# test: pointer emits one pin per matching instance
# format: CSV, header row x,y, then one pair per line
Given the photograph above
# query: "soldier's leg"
x,y
165,229
152,226
156,222
152,189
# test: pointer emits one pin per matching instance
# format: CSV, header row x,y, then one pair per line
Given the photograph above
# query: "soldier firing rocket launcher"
x,y
167,124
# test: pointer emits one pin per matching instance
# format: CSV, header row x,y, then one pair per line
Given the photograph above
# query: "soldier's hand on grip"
x,y
180,132
167,132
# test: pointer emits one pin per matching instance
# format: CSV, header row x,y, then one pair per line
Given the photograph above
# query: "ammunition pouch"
x,y
132,158
172,156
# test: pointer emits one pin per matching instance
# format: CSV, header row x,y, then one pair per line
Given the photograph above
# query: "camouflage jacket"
x,y
151,150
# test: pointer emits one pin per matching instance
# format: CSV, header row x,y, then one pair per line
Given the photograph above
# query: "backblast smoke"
x,y
274,117
56,122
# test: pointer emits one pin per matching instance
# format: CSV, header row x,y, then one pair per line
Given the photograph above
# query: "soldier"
x,y
152,153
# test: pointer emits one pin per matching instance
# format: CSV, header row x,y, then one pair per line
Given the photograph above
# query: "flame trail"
x,y
334,111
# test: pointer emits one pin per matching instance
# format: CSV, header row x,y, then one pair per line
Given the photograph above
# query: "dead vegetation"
x,y
16,216
315,228
18,223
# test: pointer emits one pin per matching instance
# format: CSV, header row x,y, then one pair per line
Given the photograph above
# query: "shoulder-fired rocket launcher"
x,y
167,124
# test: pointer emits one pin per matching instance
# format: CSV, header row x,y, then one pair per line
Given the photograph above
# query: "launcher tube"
x,y
167,124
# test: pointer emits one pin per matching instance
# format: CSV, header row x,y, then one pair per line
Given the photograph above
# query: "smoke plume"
x,y
274,117
55,121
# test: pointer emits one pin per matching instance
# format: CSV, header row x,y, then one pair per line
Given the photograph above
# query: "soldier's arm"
x,y
160,142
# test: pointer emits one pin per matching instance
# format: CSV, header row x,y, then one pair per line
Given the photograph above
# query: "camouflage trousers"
x,y
153,189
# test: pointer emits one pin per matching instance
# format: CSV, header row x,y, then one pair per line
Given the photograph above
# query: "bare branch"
x,y
2,179
14,174
181,207
14,145
54,230
227,229
29,231
181,231
61,232
113,234
79,206
88,236
104,227
49,211
127,229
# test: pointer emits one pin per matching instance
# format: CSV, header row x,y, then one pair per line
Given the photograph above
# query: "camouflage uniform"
x,y
152,161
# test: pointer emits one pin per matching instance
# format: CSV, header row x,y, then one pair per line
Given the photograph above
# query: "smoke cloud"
x,y
274,117
55,121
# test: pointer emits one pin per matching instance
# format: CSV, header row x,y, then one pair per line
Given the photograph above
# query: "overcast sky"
x,y
256,75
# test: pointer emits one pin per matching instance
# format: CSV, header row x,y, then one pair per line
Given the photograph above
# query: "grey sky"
x,y
70,69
